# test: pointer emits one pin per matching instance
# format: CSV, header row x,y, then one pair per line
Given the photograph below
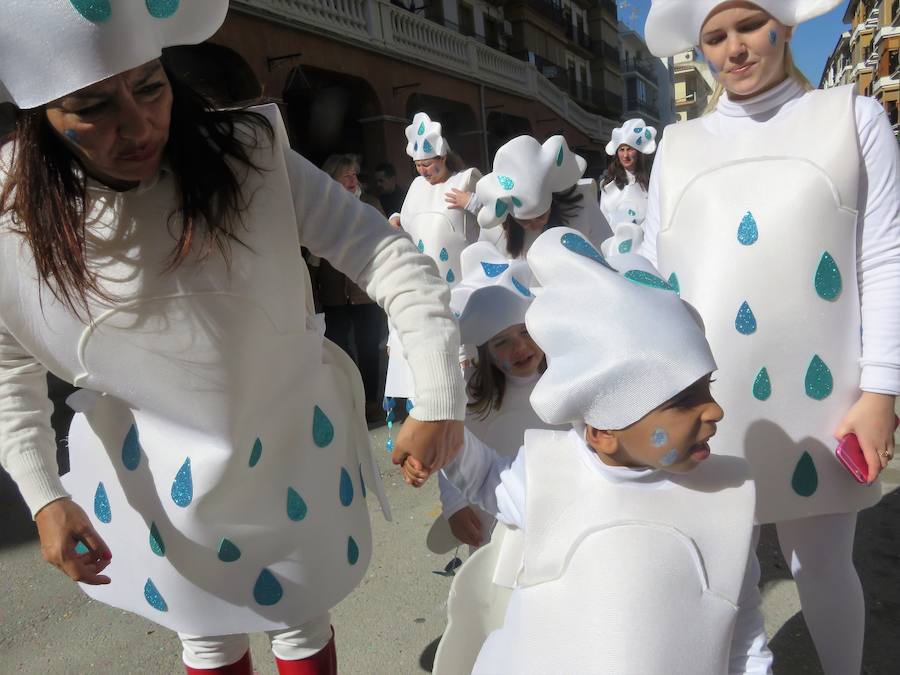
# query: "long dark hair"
x,y
615,172
45,192
486,386
563,206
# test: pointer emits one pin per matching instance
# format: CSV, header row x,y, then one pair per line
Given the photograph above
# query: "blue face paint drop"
x,y
494,269
669,458
255,453
101,505
745,321
157,545
352,551
819,381
443,255
748,230
267,591
162,9
228,551
183,486
362,482
296,506
346,488
96,11
131,449
805,480
660,438
322,428
154,598
73,136
828,278
773,37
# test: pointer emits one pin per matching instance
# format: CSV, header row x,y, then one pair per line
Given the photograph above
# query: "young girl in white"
x,y
623,192
777,215
632,543
532,188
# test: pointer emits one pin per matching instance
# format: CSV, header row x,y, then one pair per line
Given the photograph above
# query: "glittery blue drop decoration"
x,y
101,505
506,182
521,288
255,453
819,381
639,141
450,277
494,269
157,545
346,488
162,9
322,429
352,551
673,283
362,482
421,246
131,450
154,598
805,480
183,487
625,246
228,551
643,278
296,506
828,278
416,146
648,135
267,591
516,202
500,208
748,232
745,321
443,255
560,156
638,130
762,385
421,129
96,11
426,146
578,244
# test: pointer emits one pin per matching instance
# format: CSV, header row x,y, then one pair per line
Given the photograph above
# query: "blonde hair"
x,y
790,69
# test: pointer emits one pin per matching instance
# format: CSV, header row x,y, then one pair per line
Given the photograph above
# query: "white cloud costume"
x,y
627,204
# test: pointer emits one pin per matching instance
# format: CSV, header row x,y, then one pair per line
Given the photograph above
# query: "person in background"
x,y
389,193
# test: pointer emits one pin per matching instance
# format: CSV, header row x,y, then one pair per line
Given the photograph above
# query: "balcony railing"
x,y
649,107
608,52
578,36
639,66
550,9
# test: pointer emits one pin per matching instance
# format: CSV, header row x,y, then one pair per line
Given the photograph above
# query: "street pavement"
x,y
392,623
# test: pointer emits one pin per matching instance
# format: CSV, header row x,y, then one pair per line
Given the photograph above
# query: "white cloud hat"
x,y
525,175
673,26
635,133
618,339
424,140
492,295
51,48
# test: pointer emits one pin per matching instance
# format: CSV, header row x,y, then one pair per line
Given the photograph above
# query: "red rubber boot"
x,y
323,662
242,666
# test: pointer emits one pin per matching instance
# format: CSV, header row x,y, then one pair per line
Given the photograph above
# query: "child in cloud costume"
x,y
534,187
627,203
439,229
777,215
219,445
617,559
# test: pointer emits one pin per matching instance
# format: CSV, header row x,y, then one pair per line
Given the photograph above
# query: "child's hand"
x,y
62,524
872,420
457,199
466,526
425,447
413,472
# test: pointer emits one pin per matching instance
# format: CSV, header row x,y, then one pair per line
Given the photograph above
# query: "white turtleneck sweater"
x,y
878,230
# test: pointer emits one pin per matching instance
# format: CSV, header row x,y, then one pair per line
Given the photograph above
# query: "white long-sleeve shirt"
x,y
878,228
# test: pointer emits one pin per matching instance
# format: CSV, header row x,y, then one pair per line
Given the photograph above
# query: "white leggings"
x,y
819,551
288,644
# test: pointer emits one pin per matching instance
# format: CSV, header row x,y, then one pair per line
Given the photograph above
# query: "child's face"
x,y
673,437
514,352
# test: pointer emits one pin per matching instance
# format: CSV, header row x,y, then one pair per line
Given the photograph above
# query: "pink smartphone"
x,y
851,456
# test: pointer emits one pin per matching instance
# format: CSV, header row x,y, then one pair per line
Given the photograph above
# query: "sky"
x,y
812,44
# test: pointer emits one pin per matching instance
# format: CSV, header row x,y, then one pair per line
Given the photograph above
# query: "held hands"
x,y
466,526
395,222
423,448
872,420
62,524
457,199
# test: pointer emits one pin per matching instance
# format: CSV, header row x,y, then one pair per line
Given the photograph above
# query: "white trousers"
x,y
288,644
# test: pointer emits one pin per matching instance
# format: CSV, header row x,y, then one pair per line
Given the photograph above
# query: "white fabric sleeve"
x,y
358,241
878,249
27,441
651,219
474,205
489,480
452,500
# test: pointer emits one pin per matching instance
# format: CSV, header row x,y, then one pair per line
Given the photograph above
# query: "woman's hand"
x,y
466,526
425,447
62,524
872,420
457,199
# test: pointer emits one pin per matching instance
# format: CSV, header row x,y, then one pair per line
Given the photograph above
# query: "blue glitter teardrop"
x,y
346,488
267,591
256,452
162,9
748,232
648,135
352,551
416,146
426,147
745,321
157,545
228,551
819,381
638,130
506,182
560,156
643,278
494,269
131,449
154,598
578,244
323,429
96,11
516,201
673,283
296,506
805,480
625,246
101,505
443,255
500,208
762,385
521,288
828,278
639,141
183,487
450,277
421,246
422,129
362,482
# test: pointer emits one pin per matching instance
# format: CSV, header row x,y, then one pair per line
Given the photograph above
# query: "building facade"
x,y
694,84
649,85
